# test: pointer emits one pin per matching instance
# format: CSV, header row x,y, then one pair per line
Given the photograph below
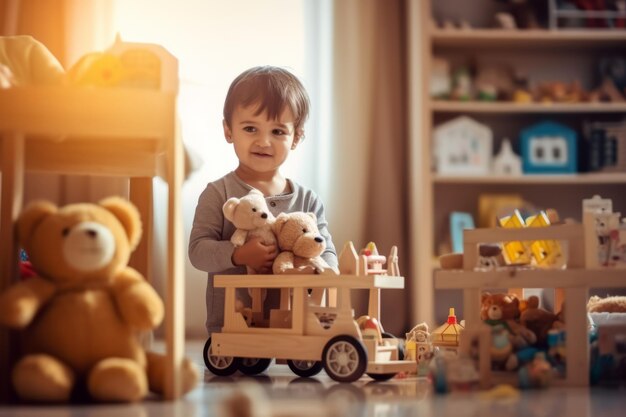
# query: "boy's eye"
x,y
279,132
250,129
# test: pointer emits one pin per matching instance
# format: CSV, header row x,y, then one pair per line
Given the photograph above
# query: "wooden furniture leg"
x,y
141,191
12,193
175,301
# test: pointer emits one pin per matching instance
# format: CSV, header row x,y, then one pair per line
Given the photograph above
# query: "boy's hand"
x,y
255,255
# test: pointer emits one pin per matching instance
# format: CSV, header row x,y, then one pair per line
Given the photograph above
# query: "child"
x,y
264,115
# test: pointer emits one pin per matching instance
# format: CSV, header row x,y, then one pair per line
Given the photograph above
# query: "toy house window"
x,y
548,150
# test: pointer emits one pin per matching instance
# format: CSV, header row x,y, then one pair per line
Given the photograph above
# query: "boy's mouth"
x,y
261,154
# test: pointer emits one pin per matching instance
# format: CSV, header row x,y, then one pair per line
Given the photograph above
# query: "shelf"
x,y
546,278
442,106
535,38
564,179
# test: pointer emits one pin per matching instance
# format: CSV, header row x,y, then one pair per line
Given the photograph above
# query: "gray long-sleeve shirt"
x,y
210,249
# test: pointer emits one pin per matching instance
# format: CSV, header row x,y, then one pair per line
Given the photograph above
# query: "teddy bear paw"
x,y
119,380
43,378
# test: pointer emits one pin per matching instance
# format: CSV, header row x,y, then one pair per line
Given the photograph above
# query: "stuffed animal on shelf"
x,y
251,217
300,245
504,310
611,304
537,320
81,313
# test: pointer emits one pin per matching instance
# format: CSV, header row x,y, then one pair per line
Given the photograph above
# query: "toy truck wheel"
x,y
381,377
305,369
344,358
253,366
219,365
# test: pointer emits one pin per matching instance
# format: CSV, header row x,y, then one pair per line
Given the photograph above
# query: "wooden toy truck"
x,y
307,334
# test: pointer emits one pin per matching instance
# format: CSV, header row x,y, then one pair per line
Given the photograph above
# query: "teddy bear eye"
x,y
66,231
254,210
304,231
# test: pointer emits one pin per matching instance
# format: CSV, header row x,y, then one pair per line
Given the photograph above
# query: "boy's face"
x,y
261,145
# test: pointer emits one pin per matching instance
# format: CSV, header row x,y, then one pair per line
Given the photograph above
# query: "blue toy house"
x,y
549,148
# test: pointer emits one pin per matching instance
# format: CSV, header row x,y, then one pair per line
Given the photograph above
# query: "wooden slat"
x,y
62,111
309,281
12,189
508,278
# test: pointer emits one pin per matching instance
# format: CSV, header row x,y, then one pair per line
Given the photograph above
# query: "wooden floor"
x,y
278,392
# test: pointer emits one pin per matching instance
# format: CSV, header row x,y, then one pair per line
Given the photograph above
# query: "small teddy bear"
x,y
503,309
80,313
537,320
251,217
300,245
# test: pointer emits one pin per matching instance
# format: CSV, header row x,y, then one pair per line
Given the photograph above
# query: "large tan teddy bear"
x,y
81,313
300,245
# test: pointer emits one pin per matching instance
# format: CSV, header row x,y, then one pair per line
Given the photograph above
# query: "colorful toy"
x,y
536,374
549,148
605,146
463,147
418,344
309,333
80,314
375,262
546,253
459,221
446,336
516,252
503,309
575,280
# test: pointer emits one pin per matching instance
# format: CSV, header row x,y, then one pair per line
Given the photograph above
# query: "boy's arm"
x,y
330,254
207,250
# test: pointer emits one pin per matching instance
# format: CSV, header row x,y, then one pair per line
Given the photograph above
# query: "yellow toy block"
x,y
515,252
546,253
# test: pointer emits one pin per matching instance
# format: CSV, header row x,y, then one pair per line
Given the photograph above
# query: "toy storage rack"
x,y
92,131
574,281
557,13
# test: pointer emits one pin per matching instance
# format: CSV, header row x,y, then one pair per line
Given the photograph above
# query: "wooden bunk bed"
x,y
88,130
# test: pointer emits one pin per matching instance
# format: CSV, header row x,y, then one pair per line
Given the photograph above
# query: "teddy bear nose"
x,y
264,216
92,233
319,239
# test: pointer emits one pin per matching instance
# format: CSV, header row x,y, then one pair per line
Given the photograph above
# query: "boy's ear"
x,y
228,134
298,137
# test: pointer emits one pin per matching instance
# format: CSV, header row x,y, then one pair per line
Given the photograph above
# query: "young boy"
x,y
264,115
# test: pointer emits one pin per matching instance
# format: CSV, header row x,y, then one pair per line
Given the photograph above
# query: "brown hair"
x,y
273,88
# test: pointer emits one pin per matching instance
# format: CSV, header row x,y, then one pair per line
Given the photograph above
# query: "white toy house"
x,y
463,146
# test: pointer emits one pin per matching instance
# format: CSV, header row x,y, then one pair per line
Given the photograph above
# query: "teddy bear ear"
x,y
484,296
30,218
128,215
312,215
255,191
229,208
279,223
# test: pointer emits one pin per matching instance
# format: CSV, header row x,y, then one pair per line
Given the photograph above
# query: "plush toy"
x,y
538,320
611,304
251,217
81,313
503,309
300,245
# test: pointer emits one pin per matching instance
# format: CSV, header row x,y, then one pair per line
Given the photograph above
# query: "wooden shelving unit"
x,y
562,55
